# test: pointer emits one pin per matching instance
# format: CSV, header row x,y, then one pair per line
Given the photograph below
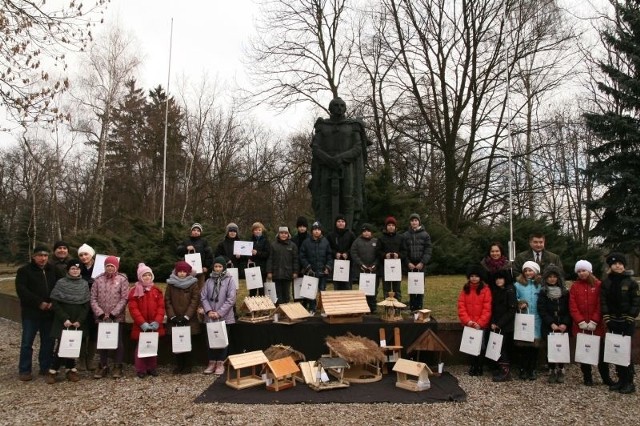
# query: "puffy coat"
x,y
283,262
475,307
584,305
503,307
528,292
317,255
619,297
416,246
364,253
109,295
178,301
147,308
221,299
340,241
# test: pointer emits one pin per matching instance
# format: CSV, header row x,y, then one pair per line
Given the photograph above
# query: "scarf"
x,y
181,283
141,287
494,265
554,292
72,290
217,283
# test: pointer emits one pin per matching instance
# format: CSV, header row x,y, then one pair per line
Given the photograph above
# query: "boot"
x,y
72,375
210,368
553,378
219,368
117,371
50,378
101,372
587,377
603,369
503,374
560,375
627,388
91,356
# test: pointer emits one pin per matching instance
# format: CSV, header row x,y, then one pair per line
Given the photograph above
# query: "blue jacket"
x,y
529,293
317,255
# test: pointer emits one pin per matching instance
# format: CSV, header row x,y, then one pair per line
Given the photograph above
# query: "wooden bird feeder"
x,y
290,313
346,306
429,342
422,315
254,361
363,355
392,308
316,375
392,352
257,309
282,373
412,375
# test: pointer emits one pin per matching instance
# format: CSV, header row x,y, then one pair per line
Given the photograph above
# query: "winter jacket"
x,y
316,255
146,308
183,302
503,307
475,307
390,243
109,296
263,250
33,286
584,305
201,246
619,298
529,292
299,238
219,297
225,248
283,262
59,266
364,253
68,311
340,241
553,311
416,247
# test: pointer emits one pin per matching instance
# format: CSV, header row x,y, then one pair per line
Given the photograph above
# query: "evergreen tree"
x,y
615,161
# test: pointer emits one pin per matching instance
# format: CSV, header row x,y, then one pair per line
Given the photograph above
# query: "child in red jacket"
x,y
474,310
146,305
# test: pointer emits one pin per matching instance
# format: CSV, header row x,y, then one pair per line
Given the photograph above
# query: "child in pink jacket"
x,y
474,310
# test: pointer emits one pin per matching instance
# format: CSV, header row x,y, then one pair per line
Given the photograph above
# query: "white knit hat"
x,y
583,265
531,265
86,248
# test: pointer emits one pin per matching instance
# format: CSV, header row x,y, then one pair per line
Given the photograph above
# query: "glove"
x,y
183,320
101,317
154,326
145,326
175,320
592,325
582,325
112,317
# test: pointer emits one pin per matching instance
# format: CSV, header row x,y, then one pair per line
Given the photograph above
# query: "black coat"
x,y
503,307
619,297
33,286
283,261
201,246
341,241
554,311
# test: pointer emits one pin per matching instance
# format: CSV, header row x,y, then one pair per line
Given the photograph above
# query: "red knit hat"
x,y
112,260
182,266
390,219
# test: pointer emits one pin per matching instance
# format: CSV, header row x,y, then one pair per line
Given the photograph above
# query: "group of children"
x,y
110,294
589,306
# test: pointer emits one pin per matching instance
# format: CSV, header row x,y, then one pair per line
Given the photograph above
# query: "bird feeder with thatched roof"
x,y
392,308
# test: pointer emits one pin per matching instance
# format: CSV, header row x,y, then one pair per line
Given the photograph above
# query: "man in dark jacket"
x,y
60,258
537,253
34,283
416,252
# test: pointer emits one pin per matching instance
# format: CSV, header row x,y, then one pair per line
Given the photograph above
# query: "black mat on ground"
x,y
444,388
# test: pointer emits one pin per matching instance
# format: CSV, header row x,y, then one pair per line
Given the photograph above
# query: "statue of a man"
x,y
339,148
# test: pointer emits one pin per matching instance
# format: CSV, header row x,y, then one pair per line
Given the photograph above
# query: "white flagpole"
x,y
512,243
166,129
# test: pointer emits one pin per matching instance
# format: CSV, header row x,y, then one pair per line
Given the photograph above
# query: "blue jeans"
x,y
31,327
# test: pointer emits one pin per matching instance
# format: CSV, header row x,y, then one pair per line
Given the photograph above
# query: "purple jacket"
x,y
219,298
109,295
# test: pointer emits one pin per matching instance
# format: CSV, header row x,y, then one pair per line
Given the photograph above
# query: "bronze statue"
x,y
339,148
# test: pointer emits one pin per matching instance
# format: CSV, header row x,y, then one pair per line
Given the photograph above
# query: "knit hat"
x,y
390,219
112,260
316,225
475,270
366,227
143,269
616,257
504,274
531,265
232,227
86,248
40,250
182,266
196,225
414,216
302,221
340,216
59,244
73,262
553,270
220,260
583,265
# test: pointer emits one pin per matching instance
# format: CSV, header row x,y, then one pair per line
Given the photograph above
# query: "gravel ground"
x,y
168,399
